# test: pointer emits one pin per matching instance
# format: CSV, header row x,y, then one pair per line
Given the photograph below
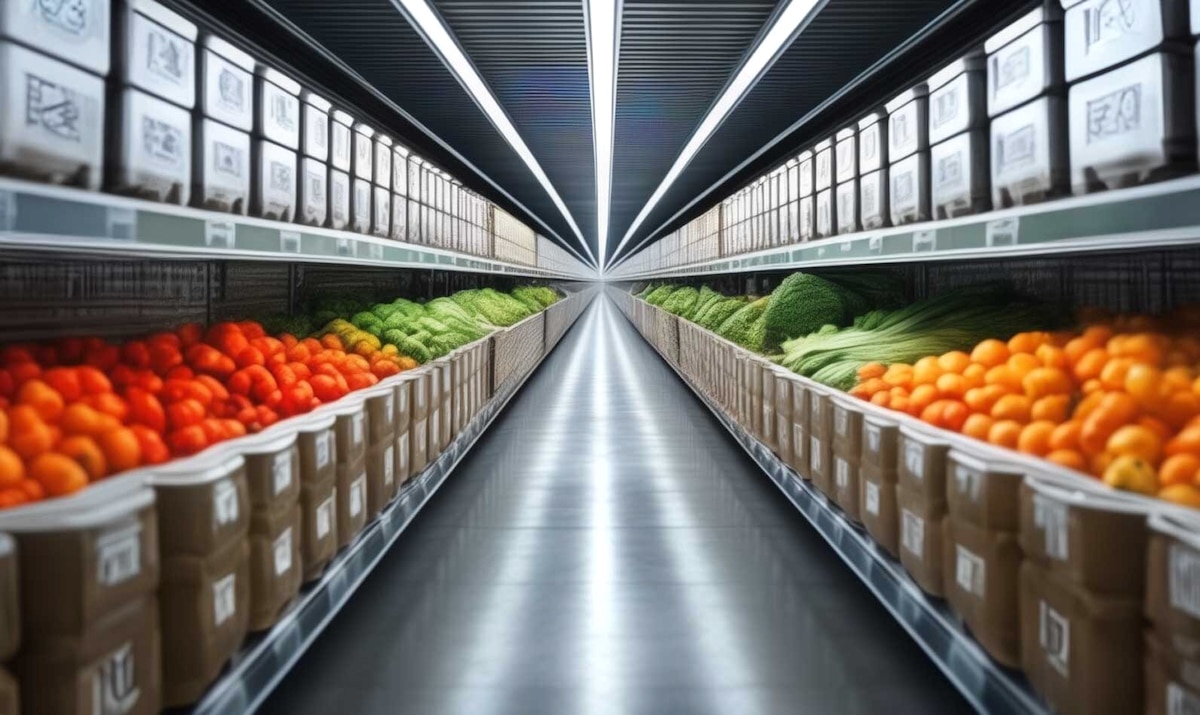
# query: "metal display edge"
x,y
233,693
963,661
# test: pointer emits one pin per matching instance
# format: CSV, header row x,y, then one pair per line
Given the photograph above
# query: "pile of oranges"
x,y
1119,399
78,410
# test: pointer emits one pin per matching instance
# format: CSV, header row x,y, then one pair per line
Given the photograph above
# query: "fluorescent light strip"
x,y
422,16
779,34
602,29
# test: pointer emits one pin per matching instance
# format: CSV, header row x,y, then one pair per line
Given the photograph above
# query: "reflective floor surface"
x,y
607,548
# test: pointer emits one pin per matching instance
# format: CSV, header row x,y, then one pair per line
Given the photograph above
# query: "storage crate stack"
x,y
381,187
807,207
277,138
845,195
958,134
873,185
223,121
314,157
316,442
400,158
362,173
341,157
379,403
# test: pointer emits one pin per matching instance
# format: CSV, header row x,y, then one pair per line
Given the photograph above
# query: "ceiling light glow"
x,y
429,23
602,30
763,56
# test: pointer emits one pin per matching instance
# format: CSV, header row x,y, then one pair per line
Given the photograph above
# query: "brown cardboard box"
x,y
1081,652
272,468
846,487
318,526
800,441
418,452
880,442
316,440
434,422
205,604
379,402
847,426
351,501
981,585
1172,682
783,417
403,466
983,492
275,568
1096,540
922,463
203,503
820,464
381,477
820,412
10,602
113,667
877,507
10,695
1173,580
922,550
350,429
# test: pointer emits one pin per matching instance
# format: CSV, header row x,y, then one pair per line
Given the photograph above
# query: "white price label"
x,y
119,554
283,552
924,241
389,467
1183,579
814,454
224,598
1051,517
968,481
357,495
225,503
325,444
969,571
357,428
875,245
874,437
914,459
1003,232
841,473
1054,635
281,472
912,533
871,498
220,234
345,247
841,421
289,241
324,517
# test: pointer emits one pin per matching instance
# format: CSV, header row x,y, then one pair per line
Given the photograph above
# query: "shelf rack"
x,y
38,217
265,660
989,687
1163,215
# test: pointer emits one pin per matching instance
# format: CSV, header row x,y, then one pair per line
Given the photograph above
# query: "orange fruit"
x,y
1054,408
1012,407
1131,473
1182,494
1042,381
1186,441
932,414
922,396
121,449
87,453
1005,433
1144,383
990,353
1115,371
1035,438
1003,376
951,384
977,426
1159,427
1098,464
1091,364
1077,347
1022,364
3,427
83,419
12,469
1141,347
955,361
883,399
975,375
1051,356
41,397
1087,405
1027,342
1178,469
1068,458
1136,441
28,435
58,474
954,414
926,371
1065,436
866,372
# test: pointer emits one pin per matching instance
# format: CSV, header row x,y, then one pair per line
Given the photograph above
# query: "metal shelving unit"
x,y
1163,215
265,660
988,686
41,217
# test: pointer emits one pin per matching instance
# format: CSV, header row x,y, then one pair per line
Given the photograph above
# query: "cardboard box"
x,y
820,412
1096,540
381,477
318,526
820,464
880,442
350,429
1173,581
922,463
783,417
380,405
877,507
847,426
981,586
316,441
275,568
846,486
983,492
1172,680
921,537
272,469
800,441
1081,652
351,501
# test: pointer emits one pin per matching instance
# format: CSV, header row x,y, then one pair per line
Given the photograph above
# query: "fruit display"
x,y
77,410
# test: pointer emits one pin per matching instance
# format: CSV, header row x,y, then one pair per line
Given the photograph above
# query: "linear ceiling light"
x,y
602,28
429,23
761,58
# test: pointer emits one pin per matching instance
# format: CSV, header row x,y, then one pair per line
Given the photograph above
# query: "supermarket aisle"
x,y
608,549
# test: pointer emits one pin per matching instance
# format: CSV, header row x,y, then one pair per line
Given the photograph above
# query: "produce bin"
x,y
981,577
1172,578
922,551
877,507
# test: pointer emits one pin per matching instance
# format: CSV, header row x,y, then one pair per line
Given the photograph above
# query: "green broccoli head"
x,y
407,346
660,294
682,301
719,312
800,305
739,328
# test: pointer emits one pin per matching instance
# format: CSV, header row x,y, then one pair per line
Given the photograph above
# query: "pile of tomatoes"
x,y
78,410
1119,399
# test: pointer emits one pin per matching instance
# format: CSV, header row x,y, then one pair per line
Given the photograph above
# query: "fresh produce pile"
x,y
1118,399
77,410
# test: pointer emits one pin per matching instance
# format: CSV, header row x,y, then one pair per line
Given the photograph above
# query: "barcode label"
x,y
873,438
225,503
224,599
969,571
912,533
324,518
914,459
282,472
968,482
324,449
119,554
1183,577
1051,517
283,552
1054,635
871,498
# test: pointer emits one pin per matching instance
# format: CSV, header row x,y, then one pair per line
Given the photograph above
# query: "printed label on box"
x,y
968,481
842,473
1181,701
1183,579
357,489
324,449
969,571
324,517
225,503
389,466
357,428
114,685
1054,635
798,437
1051,517
119,554
841,421
912,533
281,472
283,552
814,454
871,497
873,438
224,598
914,459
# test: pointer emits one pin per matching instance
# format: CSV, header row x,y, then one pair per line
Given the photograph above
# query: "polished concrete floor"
x,y
606,548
